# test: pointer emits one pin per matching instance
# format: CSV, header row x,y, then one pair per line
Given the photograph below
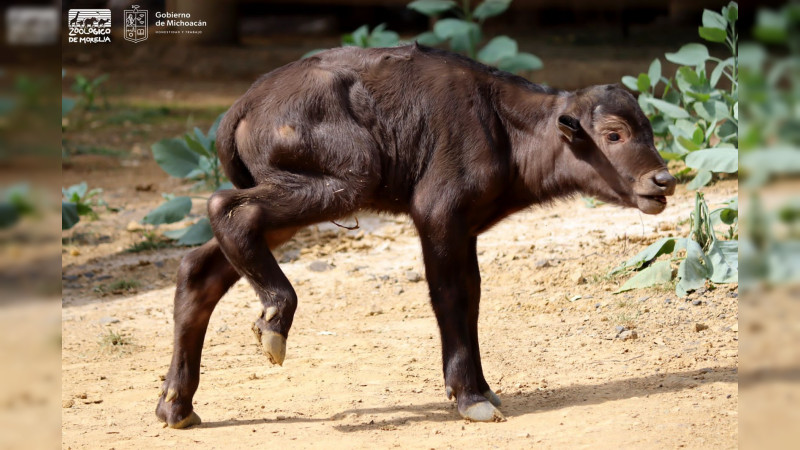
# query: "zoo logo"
x,y
135,24
89,25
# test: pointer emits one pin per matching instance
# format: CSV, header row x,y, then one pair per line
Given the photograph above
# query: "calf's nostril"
x,y
664,179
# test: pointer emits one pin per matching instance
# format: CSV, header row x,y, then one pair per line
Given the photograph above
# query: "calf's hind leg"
x,y
204,276
243,220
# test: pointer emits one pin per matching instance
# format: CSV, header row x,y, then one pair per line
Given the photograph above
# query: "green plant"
x,y
67,104
87,89
16,203
464,32
708,255
118,287
192,156
150,241
79,201
695,120
362,37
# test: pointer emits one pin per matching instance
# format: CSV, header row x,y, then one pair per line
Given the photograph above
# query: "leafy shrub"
x,y
192,156
79,201
695,120
362,37
464,32
709,254
16,203
87,89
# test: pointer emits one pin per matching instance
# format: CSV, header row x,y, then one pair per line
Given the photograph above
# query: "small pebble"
x,y
319,266
700,327
697,302
628,334
667,301
413,276
108,320
398,290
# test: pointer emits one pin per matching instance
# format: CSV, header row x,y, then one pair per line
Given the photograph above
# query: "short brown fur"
x,y
455,144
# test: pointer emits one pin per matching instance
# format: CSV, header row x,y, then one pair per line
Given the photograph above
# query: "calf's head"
x,y
610,152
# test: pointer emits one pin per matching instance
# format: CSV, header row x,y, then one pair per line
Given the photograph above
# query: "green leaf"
x,y
725,160
67,105
429,38
69,215
687,143
692,272
75,192
689,55
169,212
733,12
643,82
630,82
194,145
225,186
9,215
212,131
713,111
669,110
654,72
490,8
727,130
175,157
196,234
659,273
498,48
772,27
432,7
380,37
724,257
520,62
702,178
653,251
712,34
448,28
717,73
713,19
313,52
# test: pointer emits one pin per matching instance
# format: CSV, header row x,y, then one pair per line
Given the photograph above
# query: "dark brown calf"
x,y
456,145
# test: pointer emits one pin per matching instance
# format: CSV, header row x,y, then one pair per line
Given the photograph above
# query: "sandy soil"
x,y
363,365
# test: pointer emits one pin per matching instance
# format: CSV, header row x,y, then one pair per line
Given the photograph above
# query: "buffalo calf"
x,y
455,144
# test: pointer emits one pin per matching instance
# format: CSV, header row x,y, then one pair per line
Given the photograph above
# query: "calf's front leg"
x,y
451,267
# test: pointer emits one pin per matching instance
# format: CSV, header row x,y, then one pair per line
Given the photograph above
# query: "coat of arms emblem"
x,y
135,24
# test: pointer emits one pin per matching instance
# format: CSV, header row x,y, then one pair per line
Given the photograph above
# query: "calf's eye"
x,y
613,137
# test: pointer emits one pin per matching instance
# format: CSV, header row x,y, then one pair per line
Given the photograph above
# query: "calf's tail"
x,y
232,163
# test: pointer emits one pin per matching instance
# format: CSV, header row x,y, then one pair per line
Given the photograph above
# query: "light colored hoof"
x,y
272,344
492,397
190,421
483,412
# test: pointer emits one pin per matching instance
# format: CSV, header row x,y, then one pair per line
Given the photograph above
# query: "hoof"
x,y
449,392
482,412
492,397
272,344
190,421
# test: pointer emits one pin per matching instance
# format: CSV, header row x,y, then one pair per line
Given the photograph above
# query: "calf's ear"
x,y
568,126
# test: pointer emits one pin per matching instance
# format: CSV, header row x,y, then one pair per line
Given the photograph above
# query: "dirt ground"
x,y
363,365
